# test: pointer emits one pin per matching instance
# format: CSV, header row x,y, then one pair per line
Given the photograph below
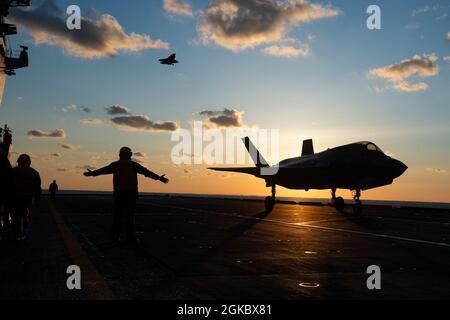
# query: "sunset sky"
x,y
309,69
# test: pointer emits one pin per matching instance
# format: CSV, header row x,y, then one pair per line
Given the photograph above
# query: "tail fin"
x,y
308,148
257,158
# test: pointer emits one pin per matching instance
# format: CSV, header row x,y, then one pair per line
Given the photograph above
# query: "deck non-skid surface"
x,y
229,249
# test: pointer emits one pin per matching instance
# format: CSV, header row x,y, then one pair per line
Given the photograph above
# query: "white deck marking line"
x,y
328,229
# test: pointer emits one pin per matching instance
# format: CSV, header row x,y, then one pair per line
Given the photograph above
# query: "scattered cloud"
x,y
226,118
436,170
140,155
91,122
241,24
287,51
67,146
178,8
85,167
412,26
311,37
390,154
58,133
410,87
74,107
442,16
419,66
116,110
100,36
421,10
429,8
143,123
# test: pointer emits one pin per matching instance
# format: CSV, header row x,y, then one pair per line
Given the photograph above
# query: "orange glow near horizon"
x,y
201,181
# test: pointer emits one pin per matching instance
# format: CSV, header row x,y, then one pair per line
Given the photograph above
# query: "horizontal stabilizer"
x,y
308,148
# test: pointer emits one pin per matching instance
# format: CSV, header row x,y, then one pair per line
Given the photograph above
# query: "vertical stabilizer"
x,y
308,148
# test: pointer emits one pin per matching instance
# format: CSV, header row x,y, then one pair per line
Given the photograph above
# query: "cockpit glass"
x,y
372,147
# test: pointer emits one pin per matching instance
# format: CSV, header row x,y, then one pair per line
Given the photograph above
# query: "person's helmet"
x,y
24,160
125,153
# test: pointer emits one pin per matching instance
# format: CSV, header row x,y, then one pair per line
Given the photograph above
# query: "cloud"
x,y
91,122
311,37
143,123
428,8
85,167
178,8
287,51
140,154
436,170
227,118
421,10
410,87
412,26
74,107
241,24
116,110
139,157
419,66
99,37
67,146
58,133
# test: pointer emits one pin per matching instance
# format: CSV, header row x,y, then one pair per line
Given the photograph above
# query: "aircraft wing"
x,y
248,170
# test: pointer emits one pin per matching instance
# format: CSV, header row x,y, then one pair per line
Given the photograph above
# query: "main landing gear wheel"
x,y
269,202
338,202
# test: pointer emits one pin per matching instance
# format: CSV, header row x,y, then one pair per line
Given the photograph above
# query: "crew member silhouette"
x,y
53,189
125,182
26,188
5,191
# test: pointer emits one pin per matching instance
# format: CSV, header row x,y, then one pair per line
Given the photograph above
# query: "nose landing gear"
x,y
357,207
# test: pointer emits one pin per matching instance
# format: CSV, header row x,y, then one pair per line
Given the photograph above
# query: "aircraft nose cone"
x,y
399,168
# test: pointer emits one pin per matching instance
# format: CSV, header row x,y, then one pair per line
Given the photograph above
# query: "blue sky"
x,y
325,95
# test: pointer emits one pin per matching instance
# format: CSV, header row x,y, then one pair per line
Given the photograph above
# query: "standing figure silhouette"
x,y
125,183
53,189
26,188
5,191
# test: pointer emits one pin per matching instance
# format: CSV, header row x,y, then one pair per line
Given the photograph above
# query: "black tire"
x,y
269,203
339,204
